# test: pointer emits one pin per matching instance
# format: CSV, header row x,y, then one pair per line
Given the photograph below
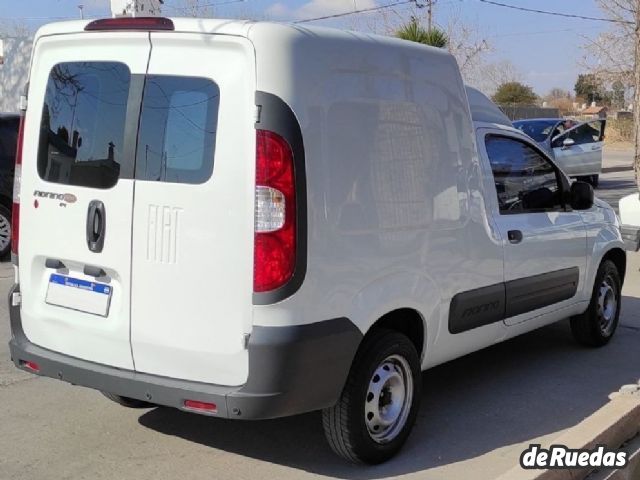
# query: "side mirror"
x,y
581,196
568,142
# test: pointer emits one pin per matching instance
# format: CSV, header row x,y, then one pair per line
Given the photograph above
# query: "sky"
x,y
546,50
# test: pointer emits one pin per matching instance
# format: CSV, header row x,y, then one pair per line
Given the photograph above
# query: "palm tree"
x,y
414,32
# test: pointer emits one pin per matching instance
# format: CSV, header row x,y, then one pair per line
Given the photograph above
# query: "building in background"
x,y
14,70
143,8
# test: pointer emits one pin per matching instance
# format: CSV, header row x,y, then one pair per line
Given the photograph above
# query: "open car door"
x,y
578,151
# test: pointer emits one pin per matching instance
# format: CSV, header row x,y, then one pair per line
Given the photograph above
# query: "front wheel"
x,y
380,400
596,326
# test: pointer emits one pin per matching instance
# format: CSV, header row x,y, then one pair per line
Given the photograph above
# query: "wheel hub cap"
x,y
5,232
607,305
389,399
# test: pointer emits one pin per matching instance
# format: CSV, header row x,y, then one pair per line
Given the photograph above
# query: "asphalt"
x,y
478,413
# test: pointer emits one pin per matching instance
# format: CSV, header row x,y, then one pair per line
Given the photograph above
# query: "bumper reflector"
x,y
197,406
33,366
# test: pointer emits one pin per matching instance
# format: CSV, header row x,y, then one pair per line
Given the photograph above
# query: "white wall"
x,y
14,72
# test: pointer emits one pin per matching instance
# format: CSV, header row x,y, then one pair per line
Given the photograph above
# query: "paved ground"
x,y
478,413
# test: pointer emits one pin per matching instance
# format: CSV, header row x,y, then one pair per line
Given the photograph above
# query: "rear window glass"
x,y
83,124
178,123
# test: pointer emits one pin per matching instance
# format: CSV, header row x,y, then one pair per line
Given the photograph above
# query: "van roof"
x,y
247,28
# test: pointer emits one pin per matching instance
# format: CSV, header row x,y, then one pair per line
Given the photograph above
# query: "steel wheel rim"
x,y
389,398
607,305
5,232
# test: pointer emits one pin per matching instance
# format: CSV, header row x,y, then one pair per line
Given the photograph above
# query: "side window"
x,y
178,127
525,180
582,134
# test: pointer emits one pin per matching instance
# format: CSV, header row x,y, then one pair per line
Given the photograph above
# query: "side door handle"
x,y
96,225
514,236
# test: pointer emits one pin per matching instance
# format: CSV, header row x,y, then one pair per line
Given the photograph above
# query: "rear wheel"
x,y
5,230
380,400
596,326
128,402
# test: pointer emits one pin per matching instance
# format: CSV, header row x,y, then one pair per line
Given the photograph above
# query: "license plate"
x,y
78,294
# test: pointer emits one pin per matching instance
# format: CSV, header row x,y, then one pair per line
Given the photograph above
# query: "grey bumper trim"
x,y
291,370
630,237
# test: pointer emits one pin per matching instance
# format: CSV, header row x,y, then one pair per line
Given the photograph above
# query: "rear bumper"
x,y
291,370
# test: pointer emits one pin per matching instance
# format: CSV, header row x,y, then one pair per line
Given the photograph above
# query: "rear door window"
x,y
178,124
82,131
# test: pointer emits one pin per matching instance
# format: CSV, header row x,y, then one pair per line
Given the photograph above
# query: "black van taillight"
x,y
130,23
17,178
274,251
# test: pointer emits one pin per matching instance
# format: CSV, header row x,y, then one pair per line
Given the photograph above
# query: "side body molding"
x,y
495,303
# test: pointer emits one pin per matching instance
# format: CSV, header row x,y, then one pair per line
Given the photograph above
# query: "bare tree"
x,y
466,42
17,40
610,55
190,8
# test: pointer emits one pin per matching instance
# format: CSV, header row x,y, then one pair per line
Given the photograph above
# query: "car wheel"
x,y
596,326
379,403
5,230
128,402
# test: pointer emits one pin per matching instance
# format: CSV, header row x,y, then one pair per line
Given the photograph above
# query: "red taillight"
x,y
130,23
274,250
29,365
17,177
201,406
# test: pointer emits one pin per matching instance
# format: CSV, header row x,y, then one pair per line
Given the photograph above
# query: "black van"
x,y
8,138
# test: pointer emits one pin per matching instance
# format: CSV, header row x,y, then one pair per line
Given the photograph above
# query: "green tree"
x,y
415,32
589,87
517,93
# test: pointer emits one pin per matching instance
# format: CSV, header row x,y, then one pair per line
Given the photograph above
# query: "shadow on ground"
x,y
470,406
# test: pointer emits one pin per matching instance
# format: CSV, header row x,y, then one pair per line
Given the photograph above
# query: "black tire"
x,y
128,402
5,230
345,426
594,180
596,326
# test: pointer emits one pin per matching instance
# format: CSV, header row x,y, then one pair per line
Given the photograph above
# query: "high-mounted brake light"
x,y
17,178
130,23
274,251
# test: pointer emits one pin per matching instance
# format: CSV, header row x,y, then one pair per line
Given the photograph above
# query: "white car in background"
x,y
575,146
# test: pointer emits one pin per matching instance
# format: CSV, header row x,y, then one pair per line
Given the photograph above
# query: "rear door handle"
x,y
96,225
514,236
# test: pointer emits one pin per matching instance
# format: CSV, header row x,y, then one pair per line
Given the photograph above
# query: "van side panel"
x,y
396,214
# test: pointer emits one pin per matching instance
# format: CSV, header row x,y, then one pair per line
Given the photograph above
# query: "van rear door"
x,y
193,214
77,193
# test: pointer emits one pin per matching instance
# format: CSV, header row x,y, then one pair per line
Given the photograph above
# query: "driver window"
x,y
582,134
525,180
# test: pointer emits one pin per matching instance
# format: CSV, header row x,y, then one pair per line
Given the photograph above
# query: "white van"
x,y
252,220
